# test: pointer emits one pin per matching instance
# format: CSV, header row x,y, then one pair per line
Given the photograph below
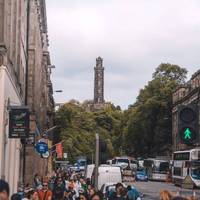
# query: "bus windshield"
x,y
195,173
161,167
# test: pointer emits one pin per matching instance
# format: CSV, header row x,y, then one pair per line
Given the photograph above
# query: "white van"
x,y
109,174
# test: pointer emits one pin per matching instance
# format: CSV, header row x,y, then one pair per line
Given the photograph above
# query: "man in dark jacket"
x,y
119,193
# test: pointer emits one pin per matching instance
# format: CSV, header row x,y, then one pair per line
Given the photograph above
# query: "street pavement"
x,y
150,190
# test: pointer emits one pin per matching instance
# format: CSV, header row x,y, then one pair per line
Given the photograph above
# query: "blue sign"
x,y
41,147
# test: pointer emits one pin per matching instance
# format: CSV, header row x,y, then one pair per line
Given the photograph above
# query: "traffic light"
x,y
188,124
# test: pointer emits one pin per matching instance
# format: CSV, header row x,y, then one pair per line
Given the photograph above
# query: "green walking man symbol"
x,y
187,134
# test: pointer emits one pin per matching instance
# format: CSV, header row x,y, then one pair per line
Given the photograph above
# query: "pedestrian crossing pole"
x,y
96,161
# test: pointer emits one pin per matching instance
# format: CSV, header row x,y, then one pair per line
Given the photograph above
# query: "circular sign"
x,y
41,147
45,155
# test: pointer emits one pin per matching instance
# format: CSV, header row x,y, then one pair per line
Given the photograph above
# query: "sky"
x,y
132,36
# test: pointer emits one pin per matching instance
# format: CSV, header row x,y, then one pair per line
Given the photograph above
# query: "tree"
x,y
78,128
148,127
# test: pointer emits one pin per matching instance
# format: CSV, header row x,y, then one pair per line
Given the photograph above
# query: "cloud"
x,y
133,37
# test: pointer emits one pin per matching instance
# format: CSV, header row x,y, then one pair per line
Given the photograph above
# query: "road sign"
x,y
45,155
41,147
19,122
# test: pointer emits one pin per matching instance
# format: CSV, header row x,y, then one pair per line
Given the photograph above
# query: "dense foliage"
x,y
148,127
142,130
78,128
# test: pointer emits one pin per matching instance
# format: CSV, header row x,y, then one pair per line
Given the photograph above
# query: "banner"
x,y
19,122
59,150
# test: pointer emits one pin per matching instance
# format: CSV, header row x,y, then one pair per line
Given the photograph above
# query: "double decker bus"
x,y
186,163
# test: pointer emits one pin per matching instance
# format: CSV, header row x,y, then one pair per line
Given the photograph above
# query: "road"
x,y
151,190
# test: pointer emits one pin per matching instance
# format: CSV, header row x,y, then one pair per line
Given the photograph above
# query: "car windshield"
x,y
141,172
195,173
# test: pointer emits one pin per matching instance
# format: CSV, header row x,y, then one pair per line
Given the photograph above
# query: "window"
x,y
177,171
182,156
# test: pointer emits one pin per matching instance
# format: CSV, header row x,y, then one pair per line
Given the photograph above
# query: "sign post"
x,y
19,122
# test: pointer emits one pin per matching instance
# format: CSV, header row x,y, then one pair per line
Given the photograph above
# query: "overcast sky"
x,y
132,36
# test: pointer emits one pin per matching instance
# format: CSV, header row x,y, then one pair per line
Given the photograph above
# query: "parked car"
x,y
141,176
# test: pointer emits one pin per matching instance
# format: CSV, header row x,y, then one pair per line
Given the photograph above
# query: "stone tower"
x,y
99,82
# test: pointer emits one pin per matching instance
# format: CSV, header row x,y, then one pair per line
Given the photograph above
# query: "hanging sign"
x,y
19,122
41,147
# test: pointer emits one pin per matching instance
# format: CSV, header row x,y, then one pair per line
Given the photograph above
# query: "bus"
x,y
186,163
124,161
157,170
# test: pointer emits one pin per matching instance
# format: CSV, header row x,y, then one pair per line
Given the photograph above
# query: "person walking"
x,y
45,193
4,190
59,189
119,193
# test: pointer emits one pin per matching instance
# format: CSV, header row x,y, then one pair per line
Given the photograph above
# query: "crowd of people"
x,y
65,186
72,186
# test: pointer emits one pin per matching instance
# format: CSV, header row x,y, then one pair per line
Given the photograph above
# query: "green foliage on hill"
x,y
78,128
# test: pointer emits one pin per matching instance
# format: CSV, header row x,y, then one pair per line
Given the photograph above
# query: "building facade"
x,y
12,83
40,90
184,95
13,73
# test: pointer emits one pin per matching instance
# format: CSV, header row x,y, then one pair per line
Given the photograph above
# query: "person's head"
x,y
91,191
45,185
165,195
129,188
15,197
4,190
96,197
83,196
119,188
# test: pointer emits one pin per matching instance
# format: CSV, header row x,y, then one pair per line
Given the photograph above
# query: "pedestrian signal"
x,y
188,124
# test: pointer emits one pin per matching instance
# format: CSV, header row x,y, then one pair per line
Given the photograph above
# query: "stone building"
x,y
13,73
184,95
40,91
12,82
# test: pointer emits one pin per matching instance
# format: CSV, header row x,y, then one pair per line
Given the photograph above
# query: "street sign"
x,y
19,122
41,147
45,155
65,155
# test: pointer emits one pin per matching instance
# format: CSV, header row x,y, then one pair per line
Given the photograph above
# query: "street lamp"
x,y
58,91
51,66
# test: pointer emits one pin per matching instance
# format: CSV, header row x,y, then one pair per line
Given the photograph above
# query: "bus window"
x,y
195,173
164,166
177,171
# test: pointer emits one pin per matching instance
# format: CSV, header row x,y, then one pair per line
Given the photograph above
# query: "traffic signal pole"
x,y
96,161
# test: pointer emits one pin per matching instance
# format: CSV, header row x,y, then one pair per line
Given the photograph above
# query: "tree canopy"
x,y
78,128
148,129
